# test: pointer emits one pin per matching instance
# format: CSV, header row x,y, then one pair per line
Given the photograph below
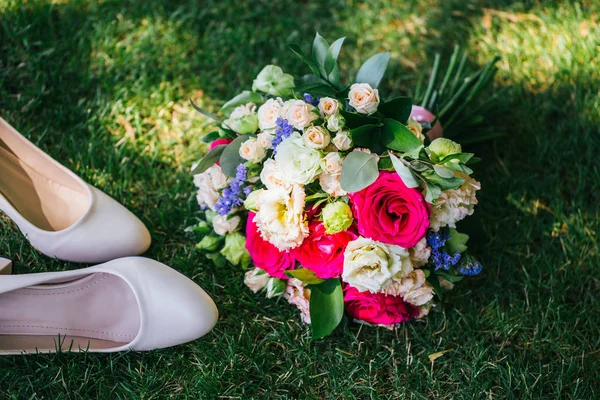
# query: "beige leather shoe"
x,y
131,303
61,215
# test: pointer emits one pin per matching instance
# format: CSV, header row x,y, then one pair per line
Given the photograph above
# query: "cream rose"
x,y
298,113
363,98
316,137
332,163
272,177
328,106
265,139
208,184
280,217
252,151
342,141
331,185
298,163
336,123
297,294
416,129
256,279
268,113
373,266
222,225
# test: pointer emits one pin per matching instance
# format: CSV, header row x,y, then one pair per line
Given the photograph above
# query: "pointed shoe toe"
x,y
61,215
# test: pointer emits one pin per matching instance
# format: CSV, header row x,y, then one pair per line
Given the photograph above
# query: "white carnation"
x,y
455,204
413,288
297,294
224,225
420,253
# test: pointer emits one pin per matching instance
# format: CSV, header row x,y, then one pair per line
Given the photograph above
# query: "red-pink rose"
x,y
390,212
264,255
219,142
378,308
322,253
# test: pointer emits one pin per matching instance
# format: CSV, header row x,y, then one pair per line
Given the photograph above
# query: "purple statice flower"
x,y
234,195
469,266
283,130
440,258
311,100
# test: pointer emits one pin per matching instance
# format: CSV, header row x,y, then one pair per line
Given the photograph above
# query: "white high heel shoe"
x,y
61,215
132,303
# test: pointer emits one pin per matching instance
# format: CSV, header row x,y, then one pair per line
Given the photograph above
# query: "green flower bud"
x,y
337,217
273,81
245,125
443,147
235,248
250,202
209,243
336,123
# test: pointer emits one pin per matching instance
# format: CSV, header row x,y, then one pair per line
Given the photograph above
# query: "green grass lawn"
x,y
104,87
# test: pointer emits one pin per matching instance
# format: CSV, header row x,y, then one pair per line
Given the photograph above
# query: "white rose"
x,y
298,163
342,141
373,266
298,113
414,289
297,294
223,225
328,106
268,113
364,98
316,137
331,185
256,279
252,151
265,139
272,177
280,217
208,184
336,123
332,163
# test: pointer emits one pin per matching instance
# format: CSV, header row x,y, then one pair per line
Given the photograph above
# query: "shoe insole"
x,y
46,203
98,310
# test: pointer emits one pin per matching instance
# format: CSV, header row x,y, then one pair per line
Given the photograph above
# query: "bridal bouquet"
x,y
338,200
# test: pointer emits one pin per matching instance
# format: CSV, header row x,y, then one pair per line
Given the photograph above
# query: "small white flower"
x,y
265,139
373,266
268,113
331,185
342,141
272,177
252,151
222,225
364,98
209,183
280,217
256,279
328,106
316,137
297,294
298,113
336,123
298,163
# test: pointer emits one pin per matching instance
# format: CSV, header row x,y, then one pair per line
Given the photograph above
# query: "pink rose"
x,y
390,212
321,253
378,308
264,255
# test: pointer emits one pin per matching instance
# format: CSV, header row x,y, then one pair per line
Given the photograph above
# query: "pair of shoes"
x,y
126,303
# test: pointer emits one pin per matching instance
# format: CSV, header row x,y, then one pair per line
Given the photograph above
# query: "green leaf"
x,y
316,89
449,277
326,307
358,171
206,113
319,52
404,172
432,193
296,49
397,136
462,157
443,172
373,69
458,241
331,66
354,120
398,109
211,137
434,281
305,275
230,159
366,135
243,98
209,159
443,183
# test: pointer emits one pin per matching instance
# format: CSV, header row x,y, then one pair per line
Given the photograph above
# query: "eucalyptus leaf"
x,y
373,69
305,275
206,113
432,192
209,159
462,157
319,52
243,98
443,183
443,172
397,136
230,159
358,171
419,166
398,108
326,307
404,172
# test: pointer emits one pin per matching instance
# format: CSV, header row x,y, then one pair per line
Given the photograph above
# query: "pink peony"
x,y
321,253
378,308
264,255
390,212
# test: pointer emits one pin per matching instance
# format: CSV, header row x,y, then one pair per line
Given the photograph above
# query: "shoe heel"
x,y
5,266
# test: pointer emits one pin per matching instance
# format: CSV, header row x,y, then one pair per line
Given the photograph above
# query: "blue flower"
x,y
234,195
469,266
440,258
283,130
311,100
